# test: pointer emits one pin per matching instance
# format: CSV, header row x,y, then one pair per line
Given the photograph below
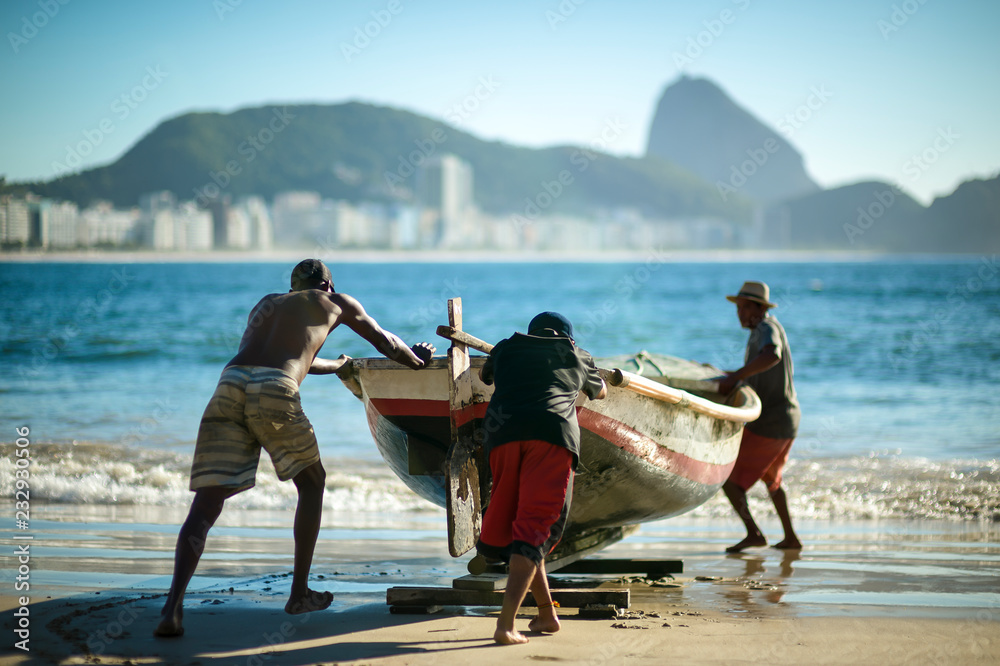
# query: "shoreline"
x,y
891,591
654,255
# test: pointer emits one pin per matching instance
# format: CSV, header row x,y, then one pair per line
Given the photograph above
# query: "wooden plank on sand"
x,y
488,581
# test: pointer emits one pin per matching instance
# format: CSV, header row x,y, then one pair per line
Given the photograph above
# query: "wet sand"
x,y
863,592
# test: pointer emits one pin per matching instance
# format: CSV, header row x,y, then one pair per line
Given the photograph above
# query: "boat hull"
x,y
641,459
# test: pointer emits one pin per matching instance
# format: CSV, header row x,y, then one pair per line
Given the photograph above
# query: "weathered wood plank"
x,y
494,581
464,506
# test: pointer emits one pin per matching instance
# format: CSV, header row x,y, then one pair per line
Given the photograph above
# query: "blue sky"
x,y
900,90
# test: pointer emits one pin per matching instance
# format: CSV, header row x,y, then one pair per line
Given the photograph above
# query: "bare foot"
x,y
544,625
170,625
791,543
512,637
750,542
311,602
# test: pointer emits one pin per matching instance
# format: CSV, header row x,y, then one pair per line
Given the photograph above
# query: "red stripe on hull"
x,y
617,433
418,407
634,442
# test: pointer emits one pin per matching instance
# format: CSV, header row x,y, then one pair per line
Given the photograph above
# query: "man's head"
x,y
752,303
311,274
551,321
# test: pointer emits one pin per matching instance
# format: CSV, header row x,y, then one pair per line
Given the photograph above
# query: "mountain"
x,y
357,151
968,219
699,128
877,216
869,215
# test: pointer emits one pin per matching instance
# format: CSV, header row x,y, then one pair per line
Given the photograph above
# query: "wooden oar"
x,y
450,333
639,384
644,386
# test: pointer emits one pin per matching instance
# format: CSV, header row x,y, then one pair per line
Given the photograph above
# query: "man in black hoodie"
x,y
533,447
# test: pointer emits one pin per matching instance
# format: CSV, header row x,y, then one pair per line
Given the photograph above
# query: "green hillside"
x,y
357,152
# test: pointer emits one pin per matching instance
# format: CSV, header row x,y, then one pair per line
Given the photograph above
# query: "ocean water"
x,y
897,364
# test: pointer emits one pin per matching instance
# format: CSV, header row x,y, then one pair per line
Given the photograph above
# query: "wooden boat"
x,y
662,443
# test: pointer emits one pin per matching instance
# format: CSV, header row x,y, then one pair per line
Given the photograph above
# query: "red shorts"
x,y
760,459
529,499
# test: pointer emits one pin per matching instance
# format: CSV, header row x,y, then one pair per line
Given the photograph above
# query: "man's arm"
x,y
387,343
595,387
765,360
603,393
324,366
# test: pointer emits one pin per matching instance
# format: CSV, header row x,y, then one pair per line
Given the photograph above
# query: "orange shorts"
x,y
760,459
529,500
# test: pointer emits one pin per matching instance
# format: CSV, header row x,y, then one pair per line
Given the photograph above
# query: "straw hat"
x,y
754,291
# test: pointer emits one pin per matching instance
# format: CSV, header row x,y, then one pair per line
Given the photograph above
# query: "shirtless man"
x,y
256,404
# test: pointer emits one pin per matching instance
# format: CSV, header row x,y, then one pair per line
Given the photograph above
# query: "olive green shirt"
x,y
779,414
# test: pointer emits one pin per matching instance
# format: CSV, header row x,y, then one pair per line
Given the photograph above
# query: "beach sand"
x,y
862,592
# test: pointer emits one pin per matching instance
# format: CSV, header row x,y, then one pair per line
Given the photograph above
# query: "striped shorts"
x,y
253,407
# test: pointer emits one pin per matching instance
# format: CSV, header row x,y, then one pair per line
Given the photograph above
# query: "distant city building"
x,y
165,225
219,210
58,223
444,185
299,219
101,225
443,215
16,221
259,228
192,228
152,202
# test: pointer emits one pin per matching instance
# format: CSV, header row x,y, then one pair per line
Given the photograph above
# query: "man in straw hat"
x,y
767,441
